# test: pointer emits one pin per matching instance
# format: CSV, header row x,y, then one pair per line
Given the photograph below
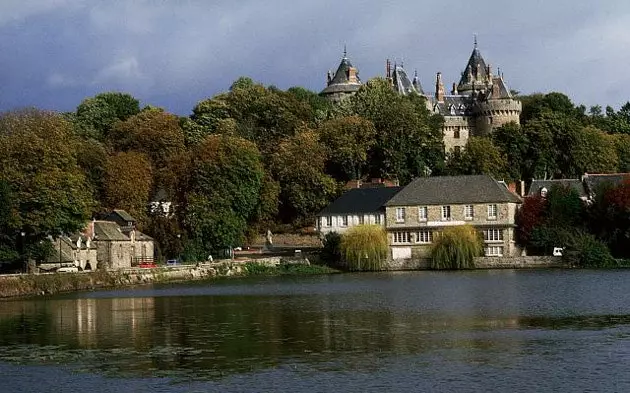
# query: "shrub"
x,y
587,251
331,251
456,247
364,247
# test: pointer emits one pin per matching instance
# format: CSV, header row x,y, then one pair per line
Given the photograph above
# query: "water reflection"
x,y
323,324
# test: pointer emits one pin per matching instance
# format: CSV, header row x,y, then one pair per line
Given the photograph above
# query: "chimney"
x,y
512,187
388,70
352,75
329,76
454,91
439,88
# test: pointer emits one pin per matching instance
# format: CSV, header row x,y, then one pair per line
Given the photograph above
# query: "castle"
x,y
478,104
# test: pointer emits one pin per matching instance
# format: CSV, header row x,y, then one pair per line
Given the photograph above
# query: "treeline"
x,y
257,157
246,160
555,140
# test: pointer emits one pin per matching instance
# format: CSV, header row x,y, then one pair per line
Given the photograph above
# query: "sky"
x,y
175,53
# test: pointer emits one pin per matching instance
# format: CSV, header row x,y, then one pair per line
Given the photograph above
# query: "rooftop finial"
x,y
345,51
475,37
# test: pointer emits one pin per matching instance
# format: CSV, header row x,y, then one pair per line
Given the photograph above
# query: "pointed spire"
x,y
475,38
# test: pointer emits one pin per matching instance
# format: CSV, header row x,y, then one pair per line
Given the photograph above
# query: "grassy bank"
x,y
254,268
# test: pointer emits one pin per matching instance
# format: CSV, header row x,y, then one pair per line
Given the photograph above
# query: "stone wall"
x,y
518,262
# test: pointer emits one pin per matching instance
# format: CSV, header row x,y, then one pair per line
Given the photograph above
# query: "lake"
x,y
473,331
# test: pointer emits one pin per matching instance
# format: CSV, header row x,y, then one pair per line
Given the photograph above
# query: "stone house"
x,y
428,205
75,250
118,247
355,207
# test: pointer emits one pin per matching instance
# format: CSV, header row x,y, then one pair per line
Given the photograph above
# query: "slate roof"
x,y
445,190
108,230
340,82
475,60
453,105
124,215
594,181
403,84
576,184
360,200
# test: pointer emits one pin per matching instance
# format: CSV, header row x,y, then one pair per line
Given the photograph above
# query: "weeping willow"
x,y
456,247
364,247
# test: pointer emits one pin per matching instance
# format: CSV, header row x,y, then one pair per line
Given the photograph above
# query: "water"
x,y
479,331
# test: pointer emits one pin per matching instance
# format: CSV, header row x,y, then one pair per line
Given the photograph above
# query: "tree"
x,y
593,151
456,247
408,137
479,157
364,247
298,166
153,132
348,141
222,192
38,164
128,183
97,115
513,144
530,216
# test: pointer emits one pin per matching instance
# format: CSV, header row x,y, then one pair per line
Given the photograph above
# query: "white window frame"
x,y
400,214
344,221
327,221
492,235
424,237
377,218
494,251
492,211
422,213
469,212
446,213
400,237
361,219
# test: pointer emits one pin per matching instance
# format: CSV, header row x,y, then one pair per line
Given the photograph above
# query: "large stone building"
x,y
475,106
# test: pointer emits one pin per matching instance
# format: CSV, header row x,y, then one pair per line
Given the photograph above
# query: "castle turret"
x,y
475,77
401,82
496,108
439,88
344,83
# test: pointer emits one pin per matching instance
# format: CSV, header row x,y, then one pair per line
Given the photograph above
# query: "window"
x,y
494,251
377,219
493,235
424,237
469,212
401,237
492,212
344,221
446,213
422,213
456,133
361,220
328,221
400,214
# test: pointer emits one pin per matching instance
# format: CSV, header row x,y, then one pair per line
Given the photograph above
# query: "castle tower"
x,y
344,83
476,76
496,107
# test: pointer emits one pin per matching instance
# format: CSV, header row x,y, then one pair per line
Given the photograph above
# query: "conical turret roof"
x,y
475,74
346,78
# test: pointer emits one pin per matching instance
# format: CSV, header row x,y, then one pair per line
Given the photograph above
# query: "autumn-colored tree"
x,y
530,215
348,141
128,182
153,132
298,165
38,164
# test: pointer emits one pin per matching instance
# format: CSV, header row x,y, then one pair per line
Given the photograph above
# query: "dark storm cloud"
x,y
174,53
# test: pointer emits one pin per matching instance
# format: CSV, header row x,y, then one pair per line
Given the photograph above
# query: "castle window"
x,y
456,133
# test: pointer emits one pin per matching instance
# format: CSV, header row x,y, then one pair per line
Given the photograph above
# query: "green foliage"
x,y
586,251
408,137
97,115
364,248
564,207
455,248
298,166
331,250
479,157
38,160
513,143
